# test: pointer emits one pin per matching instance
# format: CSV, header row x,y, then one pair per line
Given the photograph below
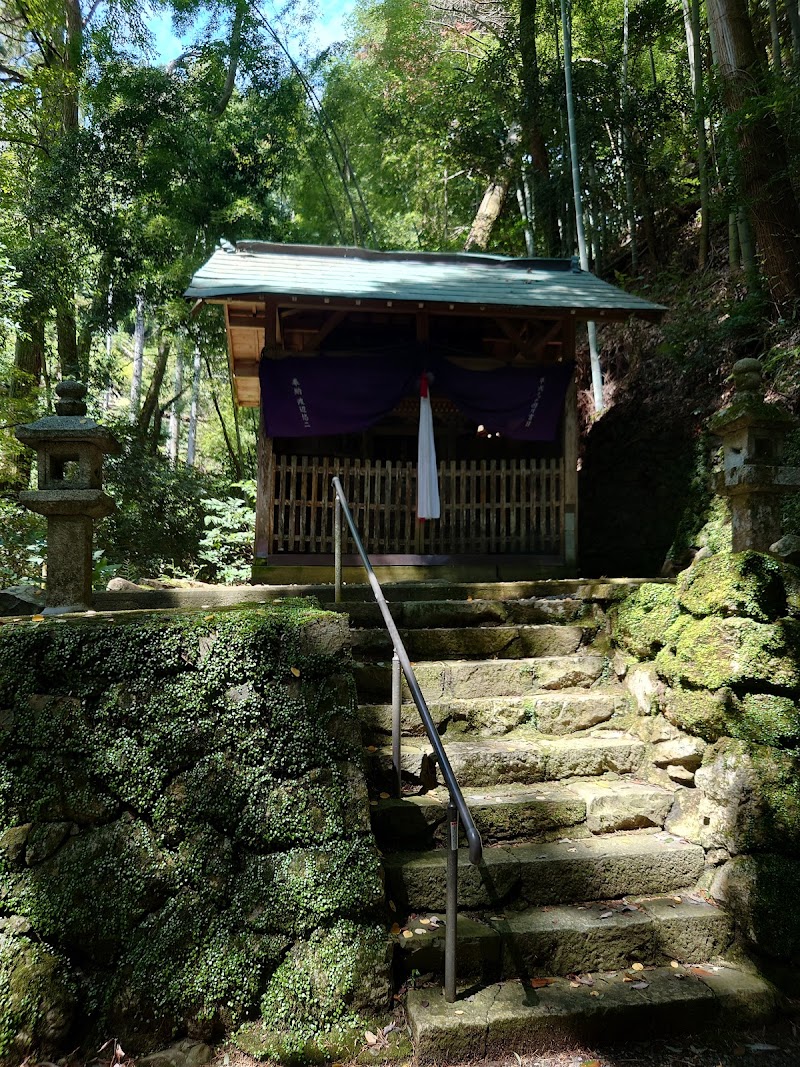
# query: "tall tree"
x,y
760,156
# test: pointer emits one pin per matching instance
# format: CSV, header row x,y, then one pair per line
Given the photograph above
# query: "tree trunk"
x,y
67,337
191,440
761,159
775,36
544,193
594,355
174,415
138,359
626,155
488,213
150,409
793,12
692,24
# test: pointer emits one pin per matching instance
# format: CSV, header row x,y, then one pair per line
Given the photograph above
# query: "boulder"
x,y
743,583
21,600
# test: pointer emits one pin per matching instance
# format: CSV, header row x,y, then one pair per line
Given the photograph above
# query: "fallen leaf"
x,y
591,1063
459,1012
540,983
678,900
572,850
420,930
674,963
392,906
296,672
518,1058
575,985
594,993
701,972
606,914
37,618
641,984
637,967
373,803
395,928
372,748
370,1038
384,796
407,933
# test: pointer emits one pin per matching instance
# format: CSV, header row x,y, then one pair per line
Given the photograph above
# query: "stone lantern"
x,y
70,449
754,479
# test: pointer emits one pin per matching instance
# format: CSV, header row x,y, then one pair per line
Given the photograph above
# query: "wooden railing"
x,y
488,506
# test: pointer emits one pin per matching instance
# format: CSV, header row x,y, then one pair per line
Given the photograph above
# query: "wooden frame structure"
x,y
508,510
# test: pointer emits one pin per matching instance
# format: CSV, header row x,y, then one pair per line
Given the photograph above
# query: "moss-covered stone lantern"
x,y
70,449
754,478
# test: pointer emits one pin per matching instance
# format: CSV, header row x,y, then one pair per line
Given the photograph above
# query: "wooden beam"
x,y
335,319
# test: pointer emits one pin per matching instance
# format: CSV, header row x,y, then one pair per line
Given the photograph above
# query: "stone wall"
x,y
713,663
184,829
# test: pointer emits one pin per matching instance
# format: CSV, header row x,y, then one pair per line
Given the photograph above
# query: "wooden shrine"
x,y
508,505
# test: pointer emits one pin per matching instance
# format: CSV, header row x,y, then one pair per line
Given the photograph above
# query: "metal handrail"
x,y
457,807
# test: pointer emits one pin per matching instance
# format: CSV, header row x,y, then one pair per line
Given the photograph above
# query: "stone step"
x,y
416,614
559,872
476,642
521,758
466,679
556,713
519,813
571,939
514,1015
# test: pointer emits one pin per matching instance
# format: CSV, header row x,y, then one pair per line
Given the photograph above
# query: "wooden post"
x,y
569,511
265,494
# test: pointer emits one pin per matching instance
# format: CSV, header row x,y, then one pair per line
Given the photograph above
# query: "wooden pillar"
x,y
569,543
265,494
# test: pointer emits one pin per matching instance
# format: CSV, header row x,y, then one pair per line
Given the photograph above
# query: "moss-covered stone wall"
x,y
184,829
714,664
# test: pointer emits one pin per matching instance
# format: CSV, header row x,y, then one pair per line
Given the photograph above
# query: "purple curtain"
x,y
323,395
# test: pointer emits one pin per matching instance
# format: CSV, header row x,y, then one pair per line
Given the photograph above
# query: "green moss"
x,y
37,998
766,719
328,981
642,618
747,583
714,652
699,712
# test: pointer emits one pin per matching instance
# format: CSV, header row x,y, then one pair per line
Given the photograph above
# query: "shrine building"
x,y
335,345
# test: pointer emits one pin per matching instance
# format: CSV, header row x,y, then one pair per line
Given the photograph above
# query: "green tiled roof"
x,y
258,269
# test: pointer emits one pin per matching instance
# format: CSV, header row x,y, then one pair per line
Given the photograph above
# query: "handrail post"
x,y
396,723
337,549
451,914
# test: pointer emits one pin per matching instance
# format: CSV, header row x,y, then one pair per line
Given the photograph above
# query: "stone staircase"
x,y
584,920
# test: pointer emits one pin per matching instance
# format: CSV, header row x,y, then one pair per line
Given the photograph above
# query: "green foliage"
x,y
21,545
158,523
226,547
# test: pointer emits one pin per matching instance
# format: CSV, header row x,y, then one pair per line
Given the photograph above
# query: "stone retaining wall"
x,y
184,829
713,663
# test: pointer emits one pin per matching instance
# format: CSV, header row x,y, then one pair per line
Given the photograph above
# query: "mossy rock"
x,y
642,618
766,719
714,652
761,894
699,711
328,981
37,999
751,798
745,584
